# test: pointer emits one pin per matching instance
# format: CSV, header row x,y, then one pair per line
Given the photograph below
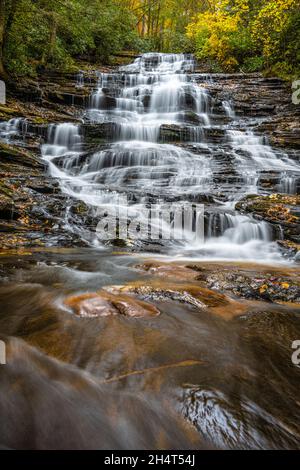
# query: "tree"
x,y
52,33
7,14
248,34
3,73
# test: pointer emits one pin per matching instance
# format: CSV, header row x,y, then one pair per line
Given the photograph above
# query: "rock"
x,y
69,99
12,154
231,426
279,286
105,303
168,270
278,209
95,134
268,287
289,247
283,130
191,294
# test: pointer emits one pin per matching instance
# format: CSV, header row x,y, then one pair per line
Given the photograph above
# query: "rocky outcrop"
x,y
32,206
278,209
266,101
265,283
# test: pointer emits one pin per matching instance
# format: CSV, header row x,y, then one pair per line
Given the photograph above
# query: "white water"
x,y
11,130
153,91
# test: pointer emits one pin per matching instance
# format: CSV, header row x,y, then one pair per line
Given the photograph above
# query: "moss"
x,y
14,155
5,190
40,120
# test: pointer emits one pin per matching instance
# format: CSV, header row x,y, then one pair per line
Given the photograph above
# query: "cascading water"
x,y
288,184
11,130
144,100
64,140
151,92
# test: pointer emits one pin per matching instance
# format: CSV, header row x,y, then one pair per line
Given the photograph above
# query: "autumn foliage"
x,y
225,35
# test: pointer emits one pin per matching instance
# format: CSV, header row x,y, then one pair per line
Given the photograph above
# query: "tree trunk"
x,y
3,73
48,53
11,17
52,40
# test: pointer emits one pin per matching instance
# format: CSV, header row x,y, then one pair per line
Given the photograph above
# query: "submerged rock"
x,y
191,294
104,303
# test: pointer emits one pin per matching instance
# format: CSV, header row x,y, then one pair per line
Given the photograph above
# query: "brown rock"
x,y
104,303
188,293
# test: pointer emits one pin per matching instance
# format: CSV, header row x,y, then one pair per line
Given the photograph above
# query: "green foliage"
x,y
52,34
249,35
253,64
113,31
228,35
176,42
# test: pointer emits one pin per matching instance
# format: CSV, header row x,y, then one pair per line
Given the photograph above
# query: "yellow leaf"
x,y
285,285
263,288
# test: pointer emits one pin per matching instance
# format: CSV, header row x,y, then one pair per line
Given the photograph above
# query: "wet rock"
x,y
168,270
69,99
283,131
278,209
105,303
9,111
276,286
183,133
231,424
268,287
44,186
32,210
292,249
28,92
16,156
98,133
191,294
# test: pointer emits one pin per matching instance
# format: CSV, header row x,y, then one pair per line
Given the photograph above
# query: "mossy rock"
x,y
14,155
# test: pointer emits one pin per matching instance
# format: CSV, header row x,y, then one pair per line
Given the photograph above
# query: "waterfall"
x,y
144,100
64,140
80,80
288,184
11,130
228,109
152,91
